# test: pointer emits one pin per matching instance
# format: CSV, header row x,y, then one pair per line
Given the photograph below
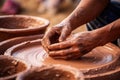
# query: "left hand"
x,y
75,46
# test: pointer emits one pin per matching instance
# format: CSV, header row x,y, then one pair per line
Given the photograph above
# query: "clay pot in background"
x,y
21,25
10,67
53,72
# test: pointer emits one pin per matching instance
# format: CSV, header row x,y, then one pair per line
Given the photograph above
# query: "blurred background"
x,y
53,10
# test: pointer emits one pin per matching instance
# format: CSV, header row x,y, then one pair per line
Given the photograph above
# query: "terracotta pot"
x,y
10,67
102,63
21,25
56,72
4,45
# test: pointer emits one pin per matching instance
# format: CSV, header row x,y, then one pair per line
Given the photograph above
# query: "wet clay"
x,y
10,67
57,72
99,61
21,25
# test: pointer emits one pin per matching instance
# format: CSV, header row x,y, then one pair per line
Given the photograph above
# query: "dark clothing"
x,y
110,14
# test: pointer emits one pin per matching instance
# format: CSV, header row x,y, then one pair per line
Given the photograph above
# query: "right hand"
x,y
56,34
76,45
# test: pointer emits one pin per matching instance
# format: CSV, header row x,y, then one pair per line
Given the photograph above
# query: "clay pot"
x,y
21,25
56,72
10,67
102,63
4,45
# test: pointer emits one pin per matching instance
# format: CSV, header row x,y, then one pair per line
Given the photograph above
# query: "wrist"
x,y
110,32
65,23
102,35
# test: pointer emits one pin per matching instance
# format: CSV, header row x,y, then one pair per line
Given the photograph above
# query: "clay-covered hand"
x,y
75,46
56,34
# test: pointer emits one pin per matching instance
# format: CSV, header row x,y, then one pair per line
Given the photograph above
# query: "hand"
x,y
56,34
75,46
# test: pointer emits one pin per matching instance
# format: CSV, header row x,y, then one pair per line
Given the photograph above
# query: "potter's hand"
x,y
56,34
75,46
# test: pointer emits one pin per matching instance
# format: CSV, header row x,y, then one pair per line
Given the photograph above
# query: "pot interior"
x,y
10,66
20,22
48,74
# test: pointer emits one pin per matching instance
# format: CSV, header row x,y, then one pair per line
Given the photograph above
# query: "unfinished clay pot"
x,y
4,45
56,72
102,63
10,67
21,25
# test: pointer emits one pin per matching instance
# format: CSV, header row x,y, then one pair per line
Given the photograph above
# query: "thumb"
x,y
66,31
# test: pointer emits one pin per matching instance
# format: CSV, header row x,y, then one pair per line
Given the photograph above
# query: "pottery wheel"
x,y
98,61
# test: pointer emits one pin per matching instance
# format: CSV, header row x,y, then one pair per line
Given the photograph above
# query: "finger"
x,y
66,31
68,57
61,57
46,39
71,56
61,45
72,53
52,35
49,33
63,52
76,55
45,43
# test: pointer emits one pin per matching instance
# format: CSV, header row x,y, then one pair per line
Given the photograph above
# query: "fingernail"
x,y
61,39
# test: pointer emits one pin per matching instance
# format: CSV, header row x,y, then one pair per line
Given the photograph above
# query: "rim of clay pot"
x,y
75,72
113,72
4,45
11,49
28,66
27,29
116,55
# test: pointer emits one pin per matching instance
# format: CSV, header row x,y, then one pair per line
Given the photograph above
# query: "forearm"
x,y
109,32
86,11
